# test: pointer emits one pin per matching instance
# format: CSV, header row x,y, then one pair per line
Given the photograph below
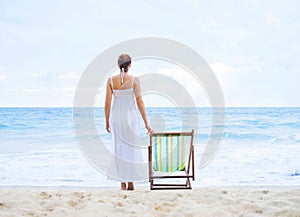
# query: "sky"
x,y
252,46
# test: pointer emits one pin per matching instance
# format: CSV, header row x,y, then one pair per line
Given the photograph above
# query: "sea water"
x,y
260,146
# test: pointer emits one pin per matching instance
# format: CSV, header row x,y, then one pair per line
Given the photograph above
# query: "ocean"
x,y
260,147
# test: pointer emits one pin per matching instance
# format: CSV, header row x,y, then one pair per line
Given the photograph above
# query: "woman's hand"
x,y
107,127
149,129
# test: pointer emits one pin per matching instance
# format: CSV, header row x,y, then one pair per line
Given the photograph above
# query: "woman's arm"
x,y
140,104
108,104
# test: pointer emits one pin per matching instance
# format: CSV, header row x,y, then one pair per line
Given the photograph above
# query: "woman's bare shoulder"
x,y
136,79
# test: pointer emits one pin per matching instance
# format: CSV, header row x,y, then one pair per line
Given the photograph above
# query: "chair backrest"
x,y
171,151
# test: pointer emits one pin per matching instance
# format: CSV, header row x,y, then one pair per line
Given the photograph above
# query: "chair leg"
x,y
188,183
130,186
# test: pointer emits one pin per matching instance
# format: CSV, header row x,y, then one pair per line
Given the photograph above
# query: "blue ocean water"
x,y
260,146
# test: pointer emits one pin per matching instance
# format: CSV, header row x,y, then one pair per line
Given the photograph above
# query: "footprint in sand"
x,y
265,191
45,195
3,205
279,203
72,203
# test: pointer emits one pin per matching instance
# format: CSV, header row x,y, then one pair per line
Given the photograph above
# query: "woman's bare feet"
x,y
123,185
130,186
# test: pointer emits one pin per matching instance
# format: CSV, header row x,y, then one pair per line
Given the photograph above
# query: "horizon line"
x,y
153,107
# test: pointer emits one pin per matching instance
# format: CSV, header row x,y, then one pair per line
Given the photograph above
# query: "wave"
x,y
3,126
252,136
291,125
296,173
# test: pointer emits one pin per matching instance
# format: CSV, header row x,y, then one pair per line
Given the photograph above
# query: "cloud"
x,y
188,82
32,90
48,78
68,89
69,75
220,67
251,45
2,77
59,78
272,20
227,75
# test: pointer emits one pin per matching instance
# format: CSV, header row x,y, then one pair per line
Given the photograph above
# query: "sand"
x,y
89,202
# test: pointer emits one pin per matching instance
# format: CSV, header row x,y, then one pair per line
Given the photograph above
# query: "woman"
x,y
122,121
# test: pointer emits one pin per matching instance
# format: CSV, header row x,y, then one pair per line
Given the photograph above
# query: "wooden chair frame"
x,y
189,171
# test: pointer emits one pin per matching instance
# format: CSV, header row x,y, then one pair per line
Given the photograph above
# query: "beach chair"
x,y
171,160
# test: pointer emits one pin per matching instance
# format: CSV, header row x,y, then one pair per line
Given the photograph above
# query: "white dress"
x,y
127,164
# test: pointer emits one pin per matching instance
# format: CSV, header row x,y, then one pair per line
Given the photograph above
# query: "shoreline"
x,y
146,187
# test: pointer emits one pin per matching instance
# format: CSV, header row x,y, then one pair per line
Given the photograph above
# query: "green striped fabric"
x,y
169,153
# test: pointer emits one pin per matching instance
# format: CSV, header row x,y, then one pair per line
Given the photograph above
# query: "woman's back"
x,y
122,122
125,92
116,82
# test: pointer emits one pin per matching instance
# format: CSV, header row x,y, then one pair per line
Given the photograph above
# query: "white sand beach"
x,y
90,202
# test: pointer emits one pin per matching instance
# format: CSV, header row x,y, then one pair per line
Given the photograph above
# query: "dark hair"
x,y
124,61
